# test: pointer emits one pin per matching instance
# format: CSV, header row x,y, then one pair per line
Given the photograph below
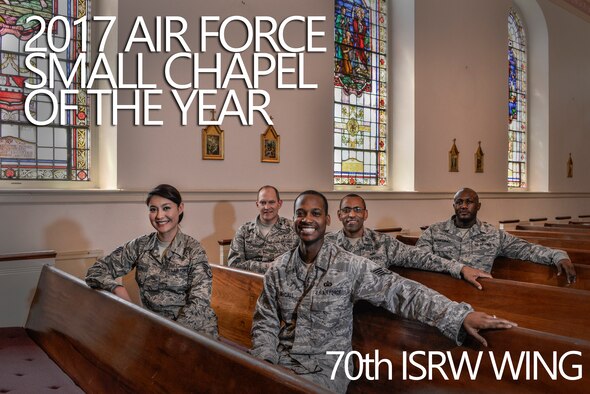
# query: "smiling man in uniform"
x,y
465,238
257,243
305,308
387,251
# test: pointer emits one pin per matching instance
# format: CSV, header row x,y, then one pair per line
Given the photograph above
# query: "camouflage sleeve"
x,y
414,257
411,300
237,254
104,272
426,241
518,248
266,323
197,313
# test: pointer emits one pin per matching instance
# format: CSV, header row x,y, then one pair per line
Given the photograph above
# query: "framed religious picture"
x,y
454,158
212,143
270,146
479,158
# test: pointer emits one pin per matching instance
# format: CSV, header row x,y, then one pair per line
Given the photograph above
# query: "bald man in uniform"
x,y
465,238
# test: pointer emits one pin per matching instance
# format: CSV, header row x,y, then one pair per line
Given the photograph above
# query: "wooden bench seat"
x,y
550,234
578,256
558,243
233,297
573,230
567,225
108,345
527,271
557,310
377,329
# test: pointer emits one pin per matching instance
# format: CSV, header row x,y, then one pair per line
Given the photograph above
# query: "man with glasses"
x,y
304,315
257,243
387,251
464,238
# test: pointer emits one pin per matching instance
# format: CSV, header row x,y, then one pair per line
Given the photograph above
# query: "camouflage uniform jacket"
x,y
482,244
301,314
250,250
387,251
177,286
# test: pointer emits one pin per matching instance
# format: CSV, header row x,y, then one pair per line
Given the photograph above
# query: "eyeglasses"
x,y
347,210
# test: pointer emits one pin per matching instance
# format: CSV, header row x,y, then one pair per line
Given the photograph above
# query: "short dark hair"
x,y
312,193
353,195
269,187
168,192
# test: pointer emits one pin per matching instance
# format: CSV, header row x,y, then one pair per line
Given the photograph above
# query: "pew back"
x,y
401,341
527,271
377,329
233,297
109,345
556,310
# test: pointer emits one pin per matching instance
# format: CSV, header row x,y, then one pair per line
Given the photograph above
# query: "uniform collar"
x,y
450,227
321,262
174,247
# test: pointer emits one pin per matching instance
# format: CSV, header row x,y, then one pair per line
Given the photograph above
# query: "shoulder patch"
x,y
380,271
208,270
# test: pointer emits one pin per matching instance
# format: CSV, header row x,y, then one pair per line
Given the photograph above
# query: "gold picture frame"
x,y
270,146
479,158
454,158
212,143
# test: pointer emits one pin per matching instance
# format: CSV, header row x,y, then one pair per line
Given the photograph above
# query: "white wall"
x,y
303,118
81,221
460,74
569,84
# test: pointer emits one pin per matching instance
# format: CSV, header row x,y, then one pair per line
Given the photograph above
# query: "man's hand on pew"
x,y
476,321
568,266
121,292
470,275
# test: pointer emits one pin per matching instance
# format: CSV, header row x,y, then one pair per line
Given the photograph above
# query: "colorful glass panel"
x,y
517,103
360,92
60,150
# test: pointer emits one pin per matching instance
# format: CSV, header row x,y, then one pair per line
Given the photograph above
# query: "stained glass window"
x,y
517,103
59,150
360,92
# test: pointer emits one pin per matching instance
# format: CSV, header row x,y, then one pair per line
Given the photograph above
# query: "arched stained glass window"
x,y
517,103
360,92
58,151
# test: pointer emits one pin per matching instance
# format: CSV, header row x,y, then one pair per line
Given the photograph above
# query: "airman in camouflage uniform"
x,y
465,238
176,286
306,305
257,243
386,250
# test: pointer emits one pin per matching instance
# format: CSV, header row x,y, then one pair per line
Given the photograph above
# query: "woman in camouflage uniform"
x,y
172,271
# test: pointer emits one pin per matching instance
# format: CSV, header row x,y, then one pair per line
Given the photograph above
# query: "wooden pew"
x,y
567,230
389,230
527,271
557,310
562,244
223,250
407,239
376,329
578,256
233,297
549,234
564,225
108,345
